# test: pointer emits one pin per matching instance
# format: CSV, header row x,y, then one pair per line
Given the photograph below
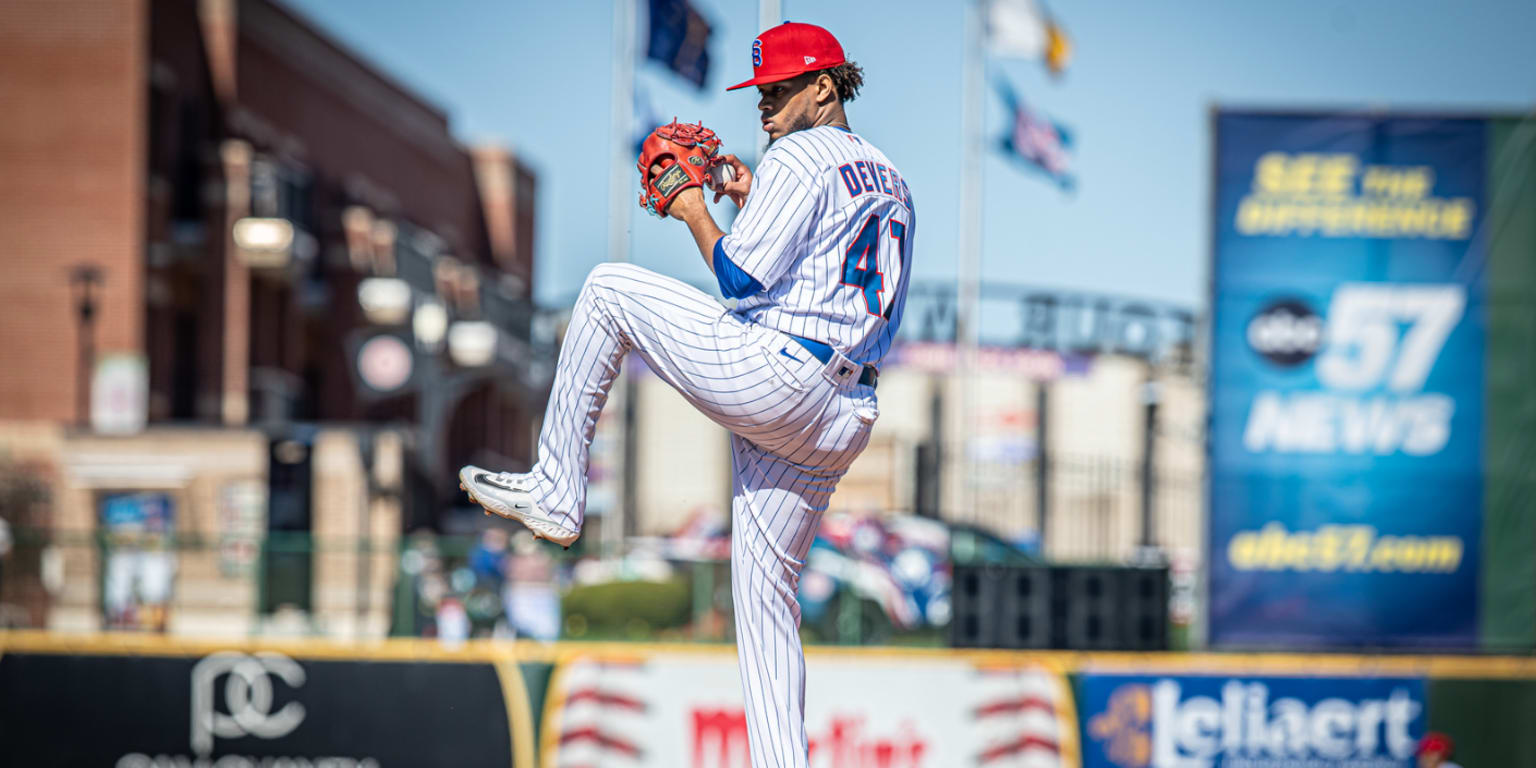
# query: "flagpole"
x,y
620,209
968,270
621,117
769,14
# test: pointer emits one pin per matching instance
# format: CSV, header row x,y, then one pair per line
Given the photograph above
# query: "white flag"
x,y
1016,29
1019,29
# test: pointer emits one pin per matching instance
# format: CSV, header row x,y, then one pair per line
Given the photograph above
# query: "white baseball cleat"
x,y
510,495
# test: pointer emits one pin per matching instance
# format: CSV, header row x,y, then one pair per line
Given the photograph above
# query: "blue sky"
x,y
1144,77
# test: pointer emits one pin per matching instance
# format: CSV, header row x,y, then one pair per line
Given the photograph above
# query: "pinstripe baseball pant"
x,y
796,424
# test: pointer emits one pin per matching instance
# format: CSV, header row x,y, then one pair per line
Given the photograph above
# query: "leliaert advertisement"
x,y
1347,380
1211,721
685,711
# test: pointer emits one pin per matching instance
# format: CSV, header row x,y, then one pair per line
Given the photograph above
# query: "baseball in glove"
x,y
683,155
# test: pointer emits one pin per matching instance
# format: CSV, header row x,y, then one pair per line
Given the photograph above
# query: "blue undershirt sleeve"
x,y
735,283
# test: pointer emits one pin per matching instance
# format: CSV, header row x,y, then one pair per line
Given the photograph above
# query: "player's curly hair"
x,y
847,78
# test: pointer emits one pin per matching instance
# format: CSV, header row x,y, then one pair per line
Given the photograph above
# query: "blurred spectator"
x,y
488,560
492,586
490,564
1435,751
452,622
532,598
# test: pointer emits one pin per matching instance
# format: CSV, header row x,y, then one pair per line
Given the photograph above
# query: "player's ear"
x,y
826,89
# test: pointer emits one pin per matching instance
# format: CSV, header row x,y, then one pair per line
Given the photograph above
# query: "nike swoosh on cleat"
x,y
785,352
491,481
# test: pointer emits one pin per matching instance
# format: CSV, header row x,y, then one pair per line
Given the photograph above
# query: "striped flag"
x,y
1035,140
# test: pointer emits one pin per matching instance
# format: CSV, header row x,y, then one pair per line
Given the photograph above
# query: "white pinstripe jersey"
x,y
827,230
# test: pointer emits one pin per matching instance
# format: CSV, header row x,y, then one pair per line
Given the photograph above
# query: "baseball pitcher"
x,y
818,260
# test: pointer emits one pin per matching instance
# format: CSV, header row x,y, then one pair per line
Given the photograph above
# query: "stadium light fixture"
x,y
385,300
264,243
472,344
430,323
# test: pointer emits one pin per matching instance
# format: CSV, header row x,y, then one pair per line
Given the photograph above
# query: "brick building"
x,y
221,178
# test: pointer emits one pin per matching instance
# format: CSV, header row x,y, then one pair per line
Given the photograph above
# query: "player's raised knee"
x,y
612,275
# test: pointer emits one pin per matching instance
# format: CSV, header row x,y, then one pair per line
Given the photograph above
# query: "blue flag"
x,y
1035,140
679,39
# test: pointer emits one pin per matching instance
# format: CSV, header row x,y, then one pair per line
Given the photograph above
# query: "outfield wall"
x,y
140,701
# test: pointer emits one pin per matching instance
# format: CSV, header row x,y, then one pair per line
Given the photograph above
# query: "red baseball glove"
x,y
683,155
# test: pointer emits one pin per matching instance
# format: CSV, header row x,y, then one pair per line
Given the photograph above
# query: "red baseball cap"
x,y
1435,742
790,50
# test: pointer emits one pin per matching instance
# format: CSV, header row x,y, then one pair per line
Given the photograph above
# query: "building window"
x,y
282,192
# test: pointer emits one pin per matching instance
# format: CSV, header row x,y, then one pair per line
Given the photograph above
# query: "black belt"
x,y
822,352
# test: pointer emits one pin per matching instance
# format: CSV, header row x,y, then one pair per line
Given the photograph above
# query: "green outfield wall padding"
x,y
1490,721
1509,518
536,676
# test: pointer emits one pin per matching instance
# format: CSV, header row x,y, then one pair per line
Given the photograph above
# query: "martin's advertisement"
x,y
1347,381
1196,721
680,710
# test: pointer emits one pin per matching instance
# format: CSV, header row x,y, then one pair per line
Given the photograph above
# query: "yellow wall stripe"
x,y
492,651
519,719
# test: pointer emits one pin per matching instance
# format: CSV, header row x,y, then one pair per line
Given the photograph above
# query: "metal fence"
x,y
451,587
129,576
493,585
1086,509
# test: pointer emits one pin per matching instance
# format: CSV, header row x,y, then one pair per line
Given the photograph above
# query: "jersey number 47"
x,y
861,263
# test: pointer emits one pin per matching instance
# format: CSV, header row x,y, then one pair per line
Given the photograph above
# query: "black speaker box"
x,y
1065,607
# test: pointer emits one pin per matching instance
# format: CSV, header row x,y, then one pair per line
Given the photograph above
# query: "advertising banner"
x,y
1197,721
1347,379
138,561
685,711
234,709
